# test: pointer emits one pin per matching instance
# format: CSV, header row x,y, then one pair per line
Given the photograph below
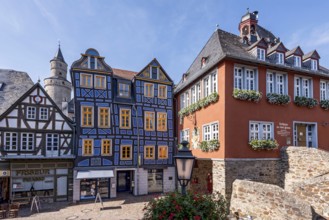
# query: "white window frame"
x,y
250,79
245,78
261,54
214,82
182,101
31,112
198,91
303,89
25,145
43,116
193,94
187,98
185,135
206,86
324,90
297,61
257,132
51,146
274,84
151,67
13,138
210,131
238,78
314,65
280,58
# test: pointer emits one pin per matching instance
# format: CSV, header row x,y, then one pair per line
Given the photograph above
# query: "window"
x,y
92,62
104,117
297,62
149,121
43,113
193,95
206,86
154,72
52,142
106,147
210,132
148,90
185,135
261,54
261,131
280,58
87,147
1,86
303,87
162,92
149,152
214,82
86,80
10,141
100,82
276,83
27,142
182,101
163,152
124,90
314,64
87,116
324,90
187,97
126,152
162,121
31,112
125,118
245,78
198,91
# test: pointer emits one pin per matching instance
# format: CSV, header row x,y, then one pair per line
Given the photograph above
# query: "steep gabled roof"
x,y
124,74
260,43
313,54
295,51
59,56
155,62
278,47
15,83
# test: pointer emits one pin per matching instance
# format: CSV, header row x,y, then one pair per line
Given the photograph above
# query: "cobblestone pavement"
x,y
124,207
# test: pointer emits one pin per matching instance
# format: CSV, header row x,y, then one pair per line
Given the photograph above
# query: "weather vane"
x,y
59,43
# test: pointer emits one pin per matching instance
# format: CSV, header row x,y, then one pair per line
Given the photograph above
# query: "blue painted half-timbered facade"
x,y
124,129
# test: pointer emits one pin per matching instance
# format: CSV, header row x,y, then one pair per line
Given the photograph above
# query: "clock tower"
x,y
248,26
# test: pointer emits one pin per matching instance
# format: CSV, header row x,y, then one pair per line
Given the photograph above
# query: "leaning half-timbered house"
x,y
36,138
124,129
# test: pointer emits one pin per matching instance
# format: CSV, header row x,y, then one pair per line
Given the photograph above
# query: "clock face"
x,y
245,30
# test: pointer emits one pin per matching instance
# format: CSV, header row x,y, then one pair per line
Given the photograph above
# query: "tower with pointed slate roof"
x,y
57,85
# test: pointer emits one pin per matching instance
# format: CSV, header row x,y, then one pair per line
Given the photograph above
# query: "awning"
x,y
94,174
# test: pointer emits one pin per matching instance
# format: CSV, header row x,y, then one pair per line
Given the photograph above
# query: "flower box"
x,y
209,146
277,99
305,102
263,144
247,95
324,104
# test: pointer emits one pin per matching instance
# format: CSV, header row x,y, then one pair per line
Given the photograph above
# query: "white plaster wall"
x,y
76,187
141,179
169,185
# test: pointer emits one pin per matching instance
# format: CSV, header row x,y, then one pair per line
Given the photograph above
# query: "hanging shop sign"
x,y
4,173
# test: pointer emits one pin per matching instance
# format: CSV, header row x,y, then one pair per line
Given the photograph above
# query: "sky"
x,y
130,33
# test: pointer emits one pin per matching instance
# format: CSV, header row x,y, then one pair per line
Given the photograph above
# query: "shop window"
x,y
155,181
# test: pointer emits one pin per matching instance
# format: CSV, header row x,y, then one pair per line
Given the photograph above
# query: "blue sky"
x,y
130,33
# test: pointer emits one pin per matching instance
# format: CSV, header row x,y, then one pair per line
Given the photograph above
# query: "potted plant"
x,y
305,102
247,95
324,104
277,99
263,144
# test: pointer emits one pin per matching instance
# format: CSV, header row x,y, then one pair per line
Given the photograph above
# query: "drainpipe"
x,y
138,156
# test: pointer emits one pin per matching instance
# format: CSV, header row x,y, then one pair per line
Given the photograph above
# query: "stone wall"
x,y
302,163
266,201
199,175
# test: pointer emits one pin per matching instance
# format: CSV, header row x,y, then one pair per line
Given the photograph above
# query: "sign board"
x,y
4,173
283,129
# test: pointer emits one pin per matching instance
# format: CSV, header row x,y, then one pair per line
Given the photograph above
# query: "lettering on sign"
x,y
283,129
32,172
33,179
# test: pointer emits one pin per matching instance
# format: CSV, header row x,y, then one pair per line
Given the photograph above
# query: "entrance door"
x,y
301,134
123,180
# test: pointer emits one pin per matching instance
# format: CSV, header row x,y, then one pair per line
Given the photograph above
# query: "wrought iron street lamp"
x,y
184,161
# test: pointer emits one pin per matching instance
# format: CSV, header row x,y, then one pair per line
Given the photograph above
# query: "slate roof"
x,y
310,54
292,51
124,74
59,56
275,47
264,33
222,45
15,84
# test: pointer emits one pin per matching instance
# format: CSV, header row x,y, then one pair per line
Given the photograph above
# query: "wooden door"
x,y
301,135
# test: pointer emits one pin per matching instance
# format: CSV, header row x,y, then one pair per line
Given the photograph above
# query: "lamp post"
x,y
184,161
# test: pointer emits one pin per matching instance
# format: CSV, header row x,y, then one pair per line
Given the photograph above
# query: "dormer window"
x,y
297,62
261,54
314,64
92,63
280,58
203,62
154,72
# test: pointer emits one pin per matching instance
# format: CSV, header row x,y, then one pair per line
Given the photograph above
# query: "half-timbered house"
x,y
125,129
36,138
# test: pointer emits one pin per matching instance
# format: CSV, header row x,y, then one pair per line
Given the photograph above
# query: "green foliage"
x,y
193,206
305,102
263,144
324,104
247,95
209,146
277,99
199,105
